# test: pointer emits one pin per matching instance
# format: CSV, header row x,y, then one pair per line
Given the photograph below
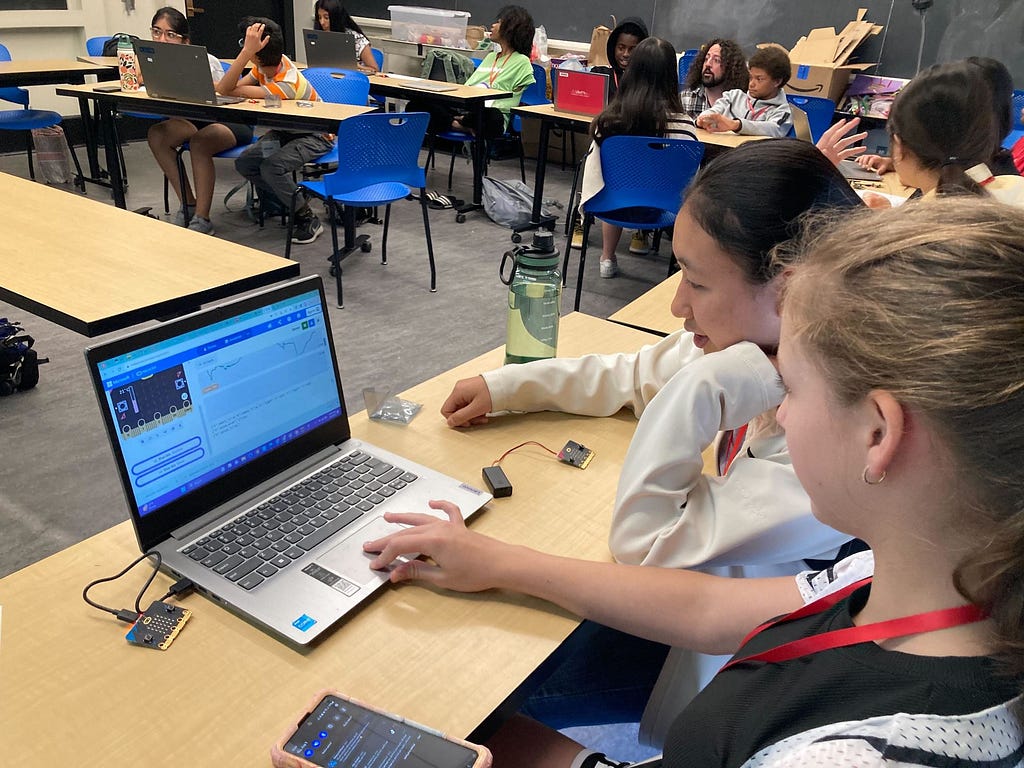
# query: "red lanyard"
x,y
929,621
496,70
733,441
755,114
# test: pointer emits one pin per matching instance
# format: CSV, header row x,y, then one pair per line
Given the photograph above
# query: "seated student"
x,y
696,387
920,455
622,40
505,69
331,16
270,162
942,130
1001,87
762,109
720,66
205,139
647,104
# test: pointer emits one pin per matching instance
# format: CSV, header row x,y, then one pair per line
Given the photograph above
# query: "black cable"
x,y
124,614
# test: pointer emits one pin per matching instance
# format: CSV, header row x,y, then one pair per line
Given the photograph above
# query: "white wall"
x,y
62,35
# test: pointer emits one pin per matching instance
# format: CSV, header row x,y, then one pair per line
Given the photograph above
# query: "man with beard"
x,y
719,67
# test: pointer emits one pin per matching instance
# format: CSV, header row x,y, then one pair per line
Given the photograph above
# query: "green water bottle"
x,y
534,299
127,67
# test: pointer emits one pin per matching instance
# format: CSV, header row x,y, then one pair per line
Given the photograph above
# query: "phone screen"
x,y
340,734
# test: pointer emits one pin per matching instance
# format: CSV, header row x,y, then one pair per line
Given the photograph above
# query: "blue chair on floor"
x,y
94,45
644,181
378,163
1017,132
27,120
338,87
819,112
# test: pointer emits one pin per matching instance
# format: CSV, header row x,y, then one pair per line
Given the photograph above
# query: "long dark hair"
x,y
749,219
944,118
175,20
648,94
734,66
341,20
516,28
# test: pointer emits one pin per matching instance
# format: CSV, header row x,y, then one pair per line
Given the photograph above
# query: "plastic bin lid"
x,y
427,11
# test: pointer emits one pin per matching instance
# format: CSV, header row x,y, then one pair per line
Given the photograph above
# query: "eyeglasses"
x,y
166,34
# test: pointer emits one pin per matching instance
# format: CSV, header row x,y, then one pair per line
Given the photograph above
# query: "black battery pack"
x,y
497,482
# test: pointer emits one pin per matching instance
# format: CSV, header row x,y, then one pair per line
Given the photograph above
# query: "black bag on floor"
x,y
19,363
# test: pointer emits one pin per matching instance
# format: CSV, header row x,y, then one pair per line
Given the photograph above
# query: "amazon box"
x,y
821,59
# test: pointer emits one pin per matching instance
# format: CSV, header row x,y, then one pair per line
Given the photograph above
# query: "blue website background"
x,y
192,408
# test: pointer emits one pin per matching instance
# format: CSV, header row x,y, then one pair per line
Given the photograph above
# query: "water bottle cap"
x,y
538,260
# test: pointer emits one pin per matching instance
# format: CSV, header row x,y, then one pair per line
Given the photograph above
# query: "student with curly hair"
x,y
720,66
762,109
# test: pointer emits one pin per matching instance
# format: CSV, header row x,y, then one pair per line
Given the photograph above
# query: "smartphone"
x,y
338,732
107,88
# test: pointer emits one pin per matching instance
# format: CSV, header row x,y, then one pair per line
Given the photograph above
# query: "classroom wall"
x,y
61,34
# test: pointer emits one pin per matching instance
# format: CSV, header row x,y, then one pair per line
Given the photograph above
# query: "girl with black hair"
x,y
331,16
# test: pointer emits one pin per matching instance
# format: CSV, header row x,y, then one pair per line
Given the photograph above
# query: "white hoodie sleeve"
x,y
592,385
667,513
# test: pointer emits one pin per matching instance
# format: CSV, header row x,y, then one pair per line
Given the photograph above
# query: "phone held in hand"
x,y
338,732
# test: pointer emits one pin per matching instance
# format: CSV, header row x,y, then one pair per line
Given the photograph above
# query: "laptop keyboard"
x,y
266,539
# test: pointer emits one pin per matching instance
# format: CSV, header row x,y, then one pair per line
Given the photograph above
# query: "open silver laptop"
x,y
330,49
230,436
178,72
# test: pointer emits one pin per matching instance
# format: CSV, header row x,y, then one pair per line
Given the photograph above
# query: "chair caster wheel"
x,y
365,247
460,218
516,237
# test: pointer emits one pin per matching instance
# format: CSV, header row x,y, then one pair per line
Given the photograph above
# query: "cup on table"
x,y
272,101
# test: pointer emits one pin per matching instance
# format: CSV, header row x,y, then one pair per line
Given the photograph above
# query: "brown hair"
x,y
774,61
734,66
927,302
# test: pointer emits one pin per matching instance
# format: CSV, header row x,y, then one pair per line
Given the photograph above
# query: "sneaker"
x,y
577,237
307,230
609,269
638,243
179,216
199,224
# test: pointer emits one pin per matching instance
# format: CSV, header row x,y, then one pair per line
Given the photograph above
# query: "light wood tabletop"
x,y
95,268
75,693
25,72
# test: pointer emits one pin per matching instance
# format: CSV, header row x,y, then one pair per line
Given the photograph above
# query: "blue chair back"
x,y
14,95
94,45
378,56
538,92
645,172
1018,105
339,86
379,147
684,63
819,112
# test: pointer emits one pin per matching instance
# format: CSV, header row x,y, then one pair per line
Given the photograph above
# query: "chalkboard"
x,y
953,28
35,5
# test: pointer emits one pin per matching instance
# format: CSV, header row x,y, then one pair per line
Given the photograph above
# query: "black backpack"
x,y
110,47
19,363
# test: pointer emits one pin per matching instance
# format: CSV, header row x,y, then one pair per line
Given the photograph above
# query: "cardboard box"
x,y
820,59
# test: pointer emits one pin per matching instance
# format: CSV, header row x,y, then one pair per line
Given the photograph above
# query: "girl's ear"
x,y
884,422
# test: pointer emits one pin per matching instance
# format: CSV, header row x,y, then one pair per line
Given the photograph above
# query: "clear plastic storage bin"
x,y
434,26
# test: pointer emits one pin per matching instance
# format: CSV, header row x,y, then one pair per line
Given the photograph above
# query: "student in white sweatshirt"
x,y
762,109
712,381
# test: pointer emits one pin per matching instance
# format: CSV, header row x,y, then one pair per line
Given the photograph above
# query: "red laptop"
x,y
582,93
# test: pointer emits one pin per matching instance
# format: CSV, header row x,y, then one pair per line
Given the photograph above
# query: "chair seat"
x,y
27,119
375,194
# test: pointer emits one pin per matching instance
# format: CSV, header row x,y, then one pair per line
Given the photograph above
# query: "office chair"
x,y
685,62
378,163
27,120
644,182
819,112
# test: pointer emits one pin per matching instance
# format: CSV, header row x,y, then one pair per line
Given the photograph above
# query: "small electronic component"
x,y
575,454
497,481
158,626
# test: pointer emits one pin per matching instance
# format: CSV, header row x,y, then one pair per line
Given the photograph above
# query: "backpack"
x,y
508,203
110,47
447,66
19,363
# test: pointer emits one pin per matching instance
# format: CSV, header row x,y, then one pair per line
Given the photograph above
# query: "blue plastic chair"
x,y
378,163
337,87
27,120
685,61
819,112
94,45
1017,132
644,182
378,56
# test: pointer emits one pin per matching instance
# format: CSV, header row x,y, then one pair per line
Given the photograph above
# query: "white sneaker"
x,y
609,268
199,224
179,216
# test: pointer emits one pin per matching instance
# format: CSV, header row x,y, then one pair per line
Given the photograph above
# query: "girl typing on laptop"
x,y
331,16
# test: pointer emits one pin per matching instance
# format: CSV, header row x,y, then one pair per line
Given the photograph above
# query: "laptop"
x,y
852,171
801,125
580,93
178,72
330,49
229,432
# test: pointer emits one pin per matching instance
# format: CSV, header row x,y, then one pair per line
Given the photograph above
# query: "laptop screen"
x,y
193,407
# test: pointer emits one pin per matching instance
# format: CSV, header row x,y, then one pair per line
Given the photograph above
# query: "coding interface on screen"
x,y
192,408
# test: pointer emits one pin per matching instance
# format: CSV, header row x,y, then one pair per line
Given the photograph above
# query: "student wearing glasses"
x,y
205,139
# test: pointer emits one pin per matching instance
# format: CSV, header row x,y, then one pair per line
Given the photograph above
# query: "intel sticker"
x,y
303,623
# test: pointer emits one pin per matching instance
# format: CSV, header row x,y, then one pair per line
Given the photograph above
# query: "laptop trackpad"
x,y
348,558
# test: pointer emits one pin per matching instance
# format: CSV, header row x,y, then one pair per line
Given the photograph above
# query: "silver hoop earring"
x,y
876,482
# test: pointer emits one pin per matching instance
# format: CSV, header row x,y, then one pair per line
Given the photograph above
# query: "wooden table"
x,y
94,268
318,116
75,693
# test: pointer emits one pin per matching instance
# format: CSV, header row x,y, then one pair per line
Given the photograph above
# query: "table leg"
x,y
478,150
537,219
106,112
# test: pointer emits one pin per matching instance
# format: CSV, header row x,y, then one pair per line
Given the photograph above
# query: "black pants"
x,y
441,116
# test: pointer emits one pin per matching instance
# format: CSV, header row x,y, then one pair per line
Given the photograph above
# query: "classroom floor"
x,y
57,480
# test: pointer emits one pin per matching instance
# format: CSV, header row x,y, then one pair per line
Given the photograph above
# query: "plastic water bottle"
x,y
126,64
534,299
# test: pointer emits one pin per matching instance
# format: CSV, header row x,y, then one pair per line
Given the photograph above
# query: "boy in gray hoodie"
x,y
762,109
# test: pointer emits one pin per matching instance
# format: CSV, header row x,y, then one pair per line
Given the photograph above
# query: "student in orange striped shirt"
x,y
270,162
